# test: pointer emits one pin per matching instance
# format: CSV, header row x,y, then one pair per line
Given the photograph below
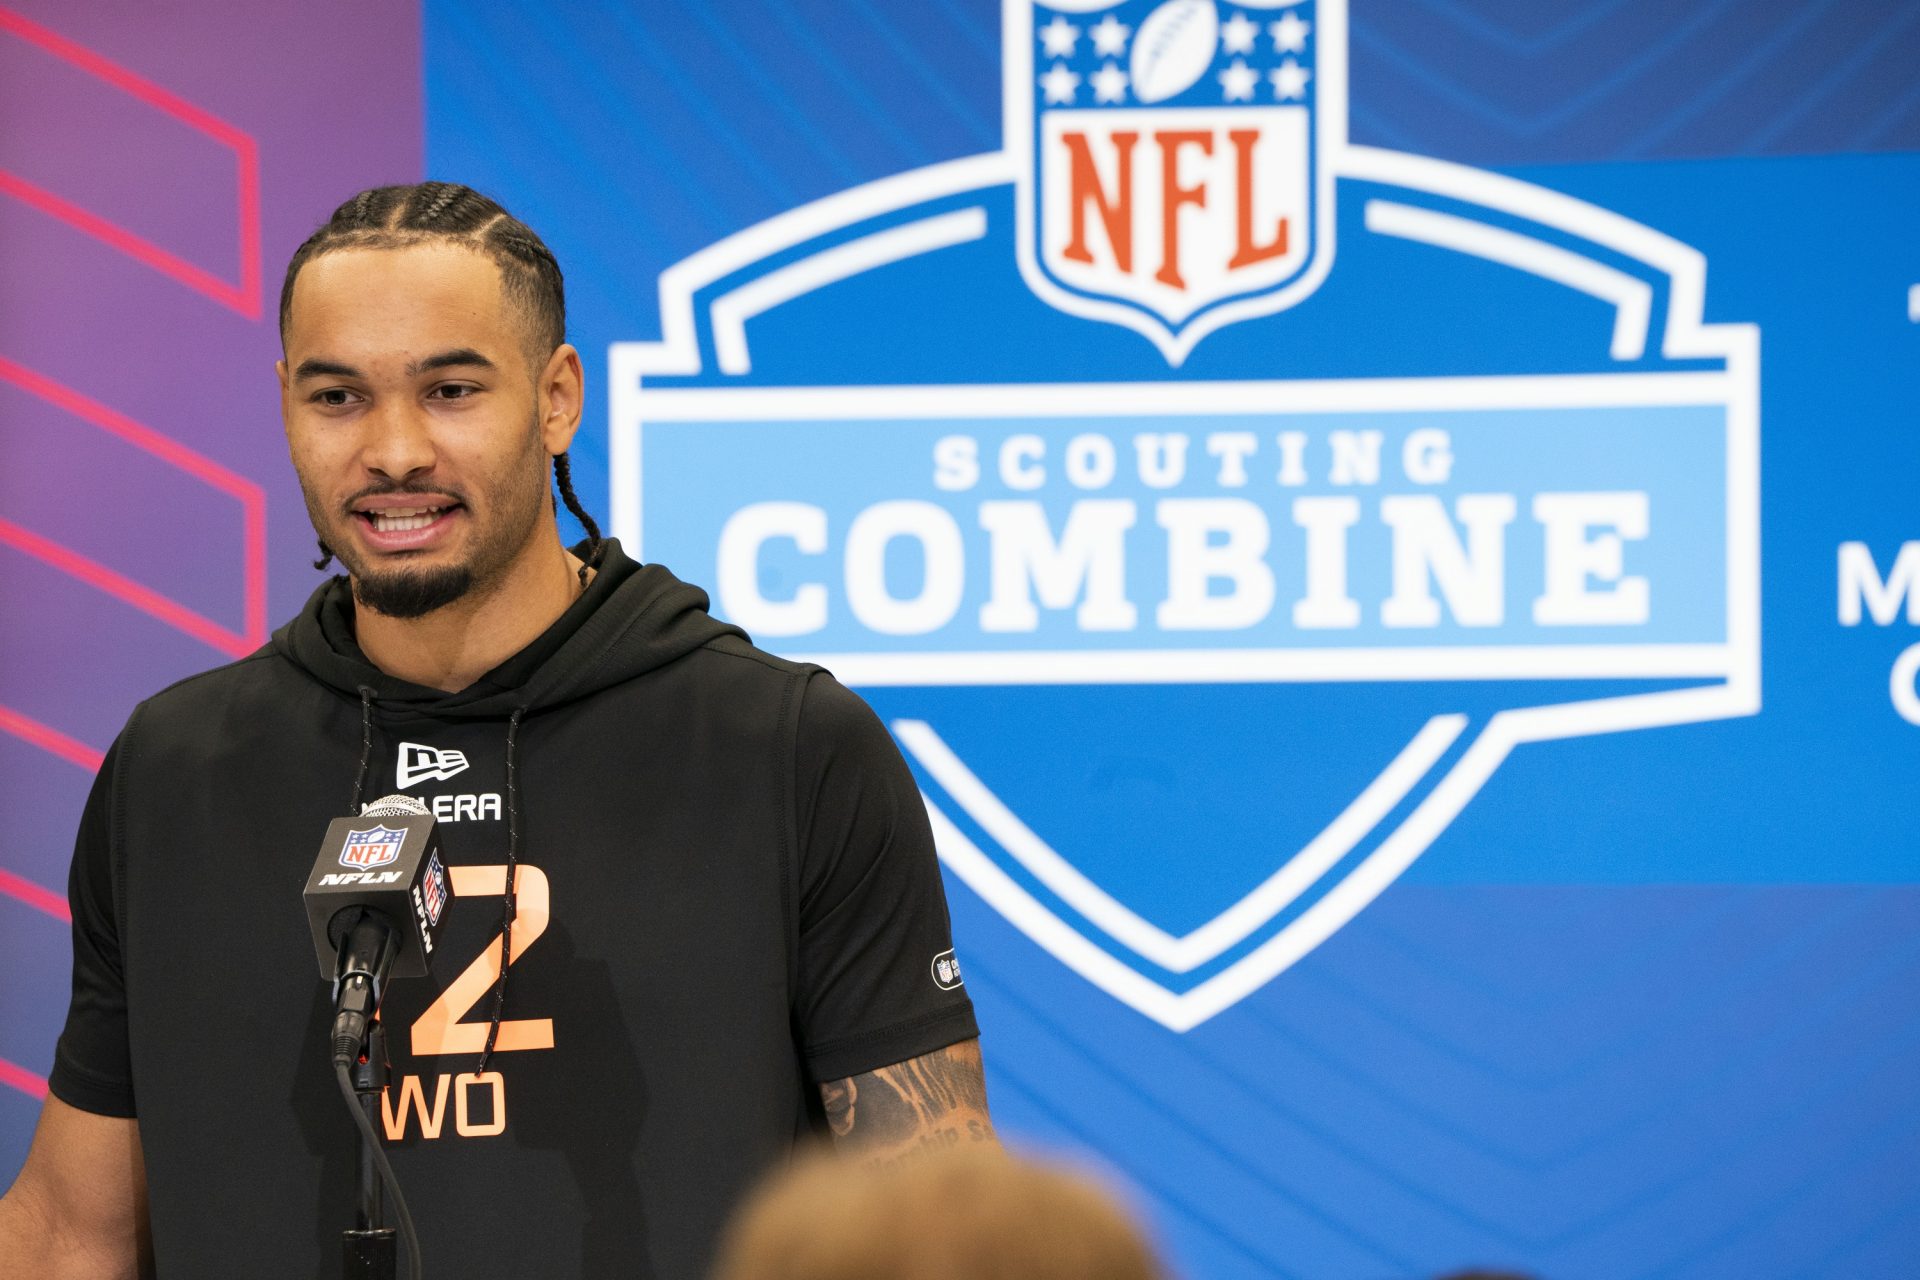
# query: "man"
x,y
724,916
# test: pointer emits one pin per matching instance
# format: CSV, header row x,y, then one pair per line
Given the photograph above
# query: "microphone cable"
x,y
408,1236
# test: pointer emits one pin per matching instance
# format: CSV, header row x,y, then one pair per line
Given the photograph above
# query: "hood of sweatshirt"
x,y
631,619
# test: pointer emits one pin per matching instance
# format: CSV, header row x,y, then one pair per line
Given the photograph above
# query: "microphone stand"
x,y
369,1249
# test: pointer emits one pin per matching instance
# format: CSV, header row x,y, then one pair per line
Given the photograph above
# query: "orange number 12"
x,y
439,1030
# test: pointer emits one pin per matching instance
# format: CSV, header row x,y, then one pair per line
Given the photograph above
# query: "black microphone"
x,y
375,901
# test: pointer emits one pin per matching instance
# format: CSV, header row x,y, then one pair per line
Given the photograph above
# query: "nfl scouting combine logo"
x,y
1204,574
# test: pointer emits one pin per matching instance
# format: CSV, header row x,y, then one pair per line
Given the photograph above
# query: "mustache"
x,y
389,490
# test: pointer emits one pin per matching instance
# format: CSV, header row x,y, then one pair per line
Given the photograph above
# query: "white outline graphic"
x,y
1234,925
732,311
1734,665
1632,299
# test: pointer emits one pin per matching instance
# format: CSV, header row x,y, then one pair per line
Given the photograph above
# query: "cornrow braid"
x,y
396,217
399,216
438,205
596,545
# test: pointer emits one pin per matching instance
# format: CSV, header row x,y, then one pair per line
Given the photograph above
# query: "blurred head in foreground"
x,y
961,1216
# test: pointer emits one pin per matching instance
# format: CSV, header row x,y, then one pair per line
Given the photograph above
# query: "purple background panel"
x,y
90,142
324,105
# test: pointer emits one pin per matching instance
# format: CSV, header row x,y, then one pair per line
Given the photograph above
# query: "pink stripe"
x,y
121,587
256,570
22,1079
249,162
36,896
143,250
47,738
119,77
253,499
134,433
245,297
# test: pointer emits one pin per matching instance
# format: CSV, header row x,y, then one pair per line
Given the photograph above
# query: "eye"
x,y
454,391
333,397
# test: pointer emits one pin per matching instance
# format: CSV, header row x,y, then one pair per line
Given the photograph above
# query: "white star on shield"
x,y
1059,36
1290,80
1060,84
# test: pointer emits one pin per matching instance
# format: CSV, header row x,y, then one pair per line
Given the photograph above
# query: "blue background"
x,y
1647,1008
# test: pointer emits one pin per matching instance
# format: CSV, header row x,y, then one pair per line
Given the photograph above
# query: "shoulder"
x,y
200,707
827,718
737,657
259,672
833,715
748,673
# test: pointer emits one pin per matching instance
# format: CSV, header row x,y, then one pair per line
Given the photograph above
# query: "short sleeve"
x,y
92,1066
877,981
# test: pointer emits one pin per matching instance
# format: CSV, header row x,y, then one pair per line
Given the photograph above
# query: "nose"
x,y
398,443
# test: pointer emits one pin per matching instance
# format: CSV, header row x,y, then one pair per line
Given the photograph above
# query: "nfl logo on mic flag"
x,y
375,848
433,890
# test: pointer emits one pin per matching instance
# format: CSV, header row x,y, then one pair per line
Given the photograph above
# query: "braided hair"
x,y
397,217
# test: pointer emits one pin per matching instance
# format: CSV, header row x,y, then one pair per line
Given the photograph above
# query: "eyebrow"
x,y
459,357
323,369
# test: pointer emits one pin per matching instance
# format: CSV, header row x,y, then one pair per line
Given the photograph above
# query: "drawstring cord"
x,y
366,749
509,906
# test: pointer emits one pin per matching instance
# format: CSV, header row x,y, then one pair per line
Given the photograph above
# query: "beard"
x,y
411,593
504,527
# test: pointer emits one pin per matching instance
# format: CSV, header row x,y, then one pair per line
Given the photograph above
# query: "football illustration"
x,y
1174,48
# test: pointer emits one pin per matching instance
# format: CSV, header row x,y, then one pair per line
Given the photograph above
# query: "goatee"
x,y
412,594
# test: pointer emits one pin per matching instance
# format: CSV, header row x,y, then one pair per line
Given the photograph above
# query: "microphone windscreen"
x,y
394,807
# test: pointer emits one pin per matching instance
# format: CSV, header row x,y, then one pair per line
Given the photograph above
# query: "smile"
x,y
411,528
401,519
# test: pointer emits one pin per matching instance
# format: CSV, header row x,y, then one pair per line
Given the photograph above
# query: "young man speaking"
x,y
714,870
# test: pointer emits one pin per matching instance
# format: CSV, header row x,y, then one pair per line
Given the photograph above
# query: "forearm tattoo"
x,y
912,1108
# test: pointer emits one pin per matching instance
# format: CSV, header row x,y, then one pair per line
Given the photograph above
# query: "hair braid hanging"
x,y
563,478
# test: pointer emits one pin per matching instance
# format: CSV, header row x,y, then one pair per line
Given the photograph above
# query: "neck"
x,y
453,646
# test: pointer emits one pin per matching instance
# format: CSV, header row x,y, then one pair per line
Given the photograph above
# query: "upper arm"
x,y
79,1206
873,978
938,1099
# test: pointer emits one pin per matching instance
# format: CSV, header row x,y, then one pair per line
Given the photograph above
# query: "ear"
x,y
561,398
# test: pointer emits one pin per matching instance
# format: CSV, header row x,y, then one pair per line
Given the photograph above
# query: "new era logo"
x,y
422,764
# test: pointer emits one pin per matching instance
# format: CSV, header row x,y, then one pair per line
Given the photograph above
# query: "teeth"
x,y
402,519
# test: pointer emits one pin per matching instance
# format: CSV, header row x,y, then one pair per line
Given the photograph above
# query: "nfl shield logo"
x,y
1177,177
433,892
374,848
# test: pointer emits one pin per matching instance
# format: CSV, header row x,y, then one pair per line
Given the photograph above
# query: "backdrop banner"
x,y
1383,530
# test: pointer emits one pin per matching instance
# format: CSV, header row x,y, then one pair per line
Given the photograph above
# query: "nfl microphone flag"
x,y
388,862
